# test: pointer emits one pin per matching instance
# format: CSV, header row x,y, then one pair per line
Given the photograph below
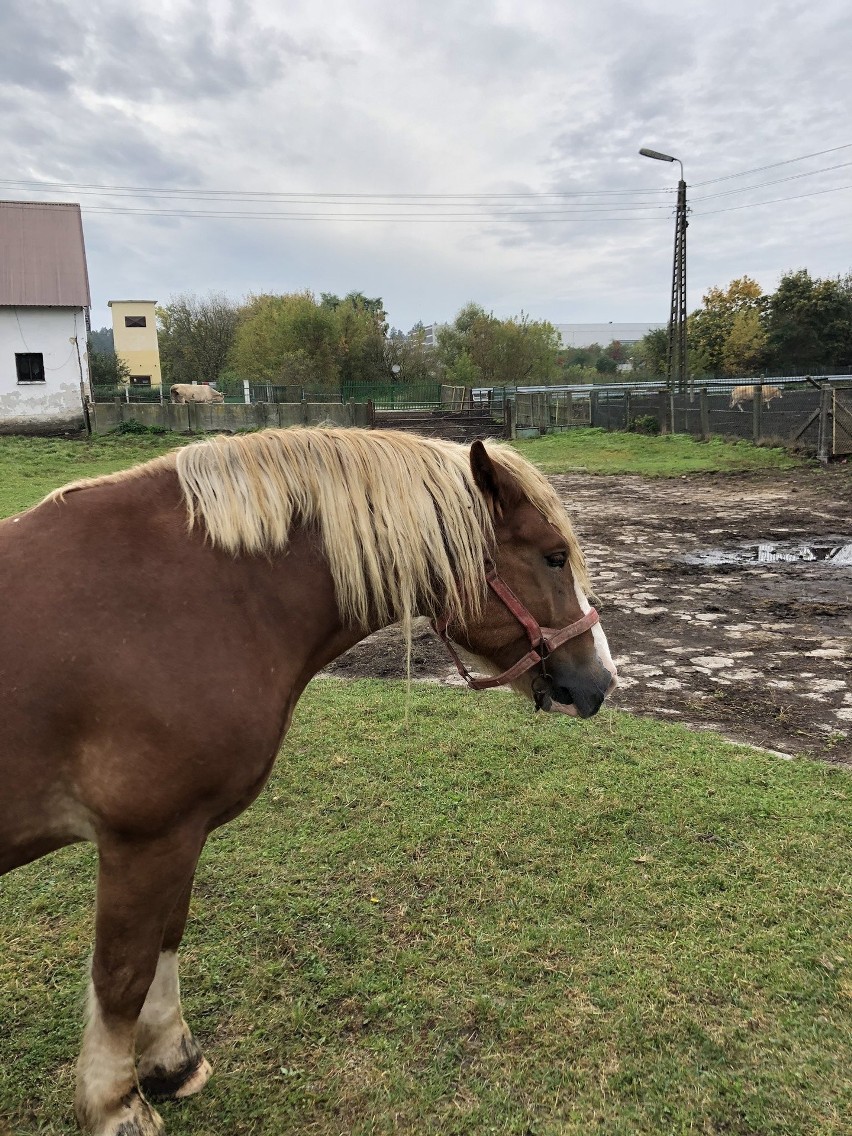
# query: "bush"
x,y
644,424
132,426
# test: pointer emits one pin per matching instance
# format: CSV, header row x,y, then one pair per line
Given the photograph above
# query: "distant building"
x,y
44,310
585,334
429,331
134,331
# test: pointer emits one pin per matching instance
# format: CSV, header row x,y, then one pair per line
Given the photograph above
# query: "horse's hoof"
x,y
196,1082
174,1084
134,1118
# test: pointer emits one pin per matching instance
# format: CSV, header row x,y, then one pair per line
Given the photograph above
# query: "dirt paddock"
x,y
727,601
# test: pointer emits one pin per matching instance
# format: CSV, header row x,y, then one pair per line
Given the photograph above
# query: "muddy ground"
x,y
703,632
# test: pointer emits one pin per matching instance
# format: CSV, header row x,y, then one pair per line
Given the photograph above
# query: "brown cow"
x,y
189,392
739,395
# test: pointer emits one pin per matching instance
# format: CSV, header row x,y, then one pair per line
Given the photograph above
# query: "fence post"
x,y
509,430
704,410
593,407
663,411
627,410
756,410
246,392
671,402
824,444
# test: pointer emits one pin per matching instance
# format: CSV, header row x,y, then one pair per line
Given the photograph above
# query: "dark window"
x,y
140,380
135,321
30,366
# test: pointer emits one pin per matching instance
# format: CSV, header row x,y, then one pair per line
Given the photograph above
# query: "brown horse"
x,y
258,560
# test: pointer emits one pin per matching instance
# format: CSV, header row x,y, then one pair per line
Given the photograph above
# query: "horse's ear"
x,y
491,481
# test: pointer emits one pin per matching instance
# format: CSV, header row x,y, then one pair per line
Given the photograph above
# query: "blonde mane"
x,y
403,526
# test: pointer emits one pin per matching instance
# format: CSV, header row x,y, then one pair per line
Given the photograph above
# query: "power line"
x,y
408,218
772,201
773,165
775,181
517,217
304,197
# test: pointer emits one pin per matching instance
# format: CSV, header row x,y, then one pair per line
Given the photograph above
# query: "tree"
x,y
293,339
709,328
650,355
105,367
479,349
279,337
196,335
745,347
417,363
810,322
101,340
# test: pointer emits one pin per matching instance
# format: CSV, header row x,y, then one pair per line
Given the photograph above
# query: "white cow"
x,y
188,392
739,395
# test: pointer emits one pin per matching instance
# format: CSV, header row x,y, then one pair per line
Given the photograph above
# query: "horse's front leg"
x,y
139,884
170,1061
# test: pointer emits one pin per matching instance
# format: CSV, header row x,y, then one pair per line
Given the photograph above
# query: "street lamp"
x,y
677,361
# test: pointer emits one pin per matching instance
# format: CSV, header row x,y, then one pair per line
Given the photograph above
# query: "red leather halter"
x,y
543,641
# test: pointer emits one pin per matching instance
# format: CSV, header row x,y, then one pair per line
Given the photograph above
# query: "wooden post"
x,y
824,443
509,429
627,410
593,407
704,409
756,409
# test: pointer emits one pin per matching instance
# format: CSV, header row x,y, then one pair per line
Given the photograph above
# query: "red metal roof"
x,y
42,256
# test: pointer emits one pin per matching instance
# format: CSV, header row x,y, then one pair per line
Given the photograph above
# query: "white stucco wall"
x,y
56,404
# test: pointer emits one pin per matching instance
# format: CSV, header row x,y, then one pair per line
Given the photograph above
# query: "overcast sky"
x,y
503,137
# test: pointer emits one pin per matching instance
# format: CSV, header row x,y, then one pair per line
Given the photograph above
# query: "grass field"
x,y
476,920
480,920
31,467
667,455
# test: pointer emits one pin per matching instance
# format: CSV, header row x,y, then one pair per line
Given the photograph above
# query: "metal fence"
x,y
812,415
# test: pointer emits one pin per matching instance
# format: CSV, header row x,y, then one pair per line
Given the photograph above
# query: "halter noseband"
x,y
543,641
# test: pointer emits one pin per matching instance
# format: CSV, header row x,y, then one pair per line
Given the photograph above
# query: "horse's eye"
x,y
557,559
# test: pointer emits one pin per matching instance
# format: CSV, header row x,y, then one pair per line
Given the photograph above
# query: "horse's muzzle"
x,y
581,693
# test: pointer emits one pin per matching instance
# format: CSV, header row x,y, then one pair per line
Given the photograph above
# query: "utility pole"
x,y
677,367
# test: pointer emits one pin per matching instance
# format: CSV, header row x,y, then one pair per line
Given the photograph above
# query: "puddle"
x,y
836,549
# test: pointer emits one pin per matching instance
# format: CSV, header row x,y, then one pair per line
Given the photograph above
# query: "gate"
x,y
841,441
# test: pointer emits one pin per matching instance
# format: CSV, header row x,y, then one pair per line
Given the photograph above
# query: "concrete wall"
x,y
137,346
56,405
225,417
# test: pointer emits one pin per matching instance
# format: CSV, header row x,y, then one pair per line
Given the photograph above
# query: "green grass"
x,y
667,455
480,920
32,467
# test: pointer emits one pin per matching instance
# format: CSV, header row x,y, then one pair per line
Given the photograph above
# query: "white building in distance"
x,y
585,334
44,302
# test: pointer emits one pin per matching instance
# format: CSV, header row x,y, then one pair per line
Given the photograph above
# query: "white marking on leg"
x,y
162,1029
161,1011
105,1069
601,644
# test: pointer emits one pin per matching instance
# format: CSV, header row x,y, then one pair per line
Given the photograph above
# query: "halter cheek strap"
x,y
543,640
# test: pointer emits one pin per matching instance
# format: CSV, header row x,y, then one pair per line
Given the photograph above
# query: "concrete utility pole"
x,y
677,376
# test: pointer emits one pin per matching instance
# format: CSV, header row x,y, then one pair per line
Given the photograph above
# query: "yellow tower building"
x,y
134,330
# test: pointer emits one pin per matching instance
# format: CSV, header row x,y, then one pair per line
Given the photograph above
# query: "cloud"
x,y
372,97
